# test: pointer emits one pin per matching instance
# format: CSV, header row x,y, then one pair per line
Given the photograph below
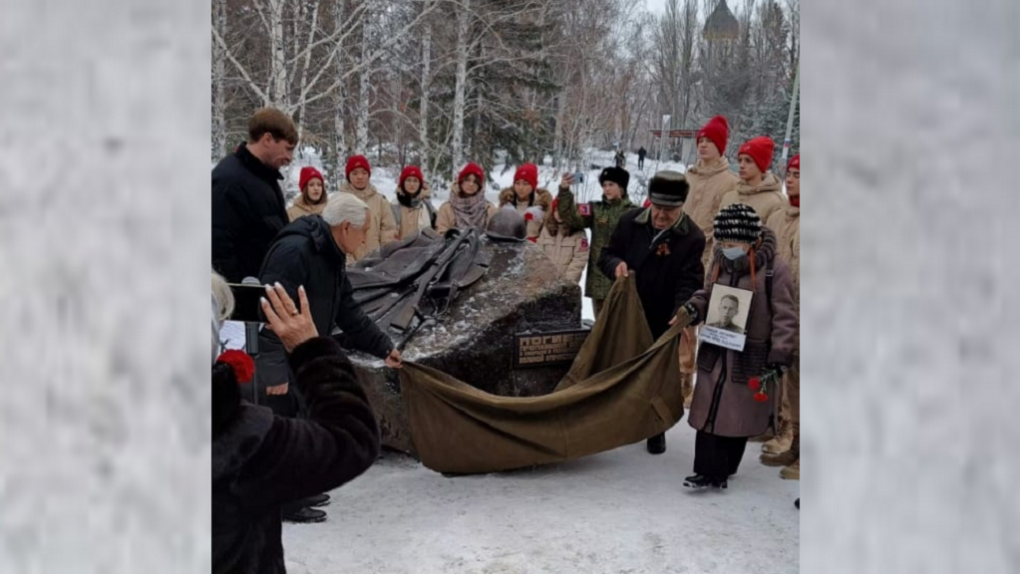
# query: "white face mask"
x,y
733,253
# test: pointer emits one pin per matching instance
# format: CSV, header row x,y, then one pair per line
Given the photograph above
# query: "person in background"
x,y
663,247
784,449
710,179
565,246
526,197
758,187
641,153
261,461
467,206
737,390
313,196
601,217
413,210
248,208
382,228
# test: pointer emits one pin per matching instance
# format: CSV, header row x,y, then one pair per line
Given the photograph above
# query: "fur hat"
x,y
309,173
529,173
356,161
668,188
617,175
472,169
737,222
717,130
760,149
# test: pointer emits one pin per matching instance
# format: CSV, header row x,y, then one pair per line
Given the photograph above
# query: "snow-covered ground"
x,y
622,511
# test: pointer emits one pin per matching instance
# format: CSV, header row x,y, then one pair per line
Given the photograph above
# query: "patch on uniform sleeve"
x,y
584,209
584,244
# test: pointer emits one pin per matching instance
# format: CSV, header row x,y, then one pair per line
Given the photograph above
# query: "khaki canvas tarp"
x,y
621,389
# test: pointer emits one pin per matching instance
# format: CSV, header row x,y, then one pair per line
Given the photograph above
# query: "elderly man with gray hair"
x,y
312,251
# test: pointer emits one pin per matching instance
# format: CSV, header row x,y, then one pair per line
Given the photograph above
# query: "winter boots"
x,y
790,460
780,443
702,481
791,472
657,444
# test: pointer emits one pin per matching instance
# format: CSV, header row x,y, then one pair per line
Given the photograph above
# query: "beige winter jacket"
x,y
446,219
765,198
709,183
786,225
383,229
301,208
542,199
568,252
413,219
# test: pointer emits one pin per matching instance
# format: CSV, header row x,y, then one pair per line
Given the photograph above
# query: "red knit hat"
x,y
309,173
717,130
410,171
356,161
529,173
472,169
794,162
760,149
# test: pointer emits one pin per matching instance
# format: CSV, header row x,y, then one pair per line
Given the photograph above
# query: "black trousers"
x,y
718,457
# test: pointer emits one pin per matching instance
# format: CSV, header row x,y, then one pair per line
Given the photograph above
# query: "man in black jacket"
x,y
664,247
248,208
312,251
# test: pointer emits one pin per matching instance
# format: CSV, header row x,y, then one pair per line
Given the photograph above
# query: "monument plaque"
x,y
547,349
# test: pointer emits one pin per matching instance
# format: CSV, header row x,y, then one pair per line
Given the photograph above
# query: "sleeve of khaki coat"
x,y
445,220
784,316
579,259
388,228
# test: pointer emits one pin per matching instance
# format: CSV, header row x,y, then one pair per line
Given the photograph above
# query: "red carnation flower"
x,y
528,216
533,239
754,383
240,362
761,397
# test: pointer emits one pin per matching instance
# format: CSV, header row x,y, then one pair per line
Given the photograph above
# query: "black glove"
x,y
692,312
773,370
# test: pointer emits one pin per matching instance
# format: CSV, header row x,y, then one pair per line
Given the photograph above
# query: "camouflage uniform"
x,y
601,217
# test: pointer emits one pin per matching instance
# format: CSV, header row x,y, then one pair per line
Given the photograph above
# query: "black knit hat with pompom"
x,y
737,222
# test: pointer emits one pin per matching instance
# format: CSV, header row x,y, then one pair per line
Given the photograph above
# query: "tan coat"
x,y
786,224
446,219
301,208
413,219
568,252
709,183
383,229
543,199
771,338
765,198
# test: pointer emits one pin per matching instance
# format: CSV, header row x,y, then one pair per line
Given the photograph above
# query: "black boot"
x,y
303,515
702,481
317,501
657,444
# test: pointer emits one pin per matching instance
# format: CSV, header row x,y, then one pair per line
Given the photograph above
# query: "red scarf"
x,y
795,200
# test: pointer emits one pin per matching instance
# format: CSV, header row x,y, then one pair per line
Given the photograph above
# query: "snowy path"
x,y
623,511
